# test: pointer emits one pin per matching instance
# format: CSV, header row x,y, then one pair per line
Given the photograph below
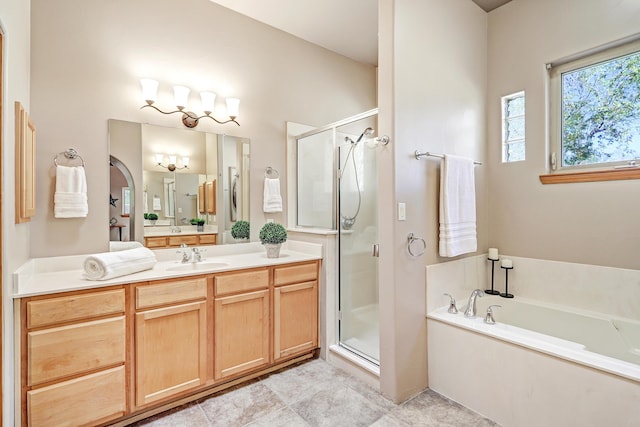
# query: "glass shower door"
x,y
358,238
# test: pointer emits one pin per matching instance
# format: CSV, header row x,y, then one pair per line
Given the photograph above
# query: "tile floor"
x,y
314,393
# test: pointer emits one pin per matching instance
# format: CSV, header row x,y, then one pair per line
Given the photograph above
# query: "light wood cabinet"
x,y
74,358
159,242
171,331
242,322
295,310
92,357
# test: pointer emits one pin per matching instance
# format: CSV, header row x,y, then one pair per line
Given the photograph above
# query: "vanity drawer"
x,y
88,400
155,242
50,311
74,349
241,282
170,292
295,273
208,239
178,240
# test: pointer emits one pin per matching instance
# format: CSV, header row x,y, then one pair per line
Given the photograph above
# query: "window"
x,y
513,142
595,110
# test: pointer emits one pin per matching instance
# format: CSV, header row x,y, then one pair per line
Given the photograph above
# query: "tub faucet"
x,y
471,305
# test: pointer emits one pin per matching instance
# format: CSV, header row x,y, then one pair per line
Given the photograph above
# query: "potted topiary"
x,y
241,230
272,235
199,222
152,217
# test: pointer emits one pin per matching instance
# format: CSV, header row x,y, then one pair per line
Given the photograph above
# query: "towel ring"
x,y
270,172
415,245
70,154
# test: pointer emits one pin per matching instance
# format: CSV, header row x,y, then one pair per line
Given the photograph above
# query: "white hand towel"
x,y
109,265
457,207
272,198
156,203
70,198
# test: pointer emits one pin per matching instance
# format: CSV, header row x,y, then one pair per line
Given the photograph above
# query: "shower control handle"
x,y
376,250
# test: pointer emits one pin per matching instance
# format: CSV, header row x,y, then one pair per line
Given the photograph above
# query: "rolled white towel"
x,y
121,246
109,265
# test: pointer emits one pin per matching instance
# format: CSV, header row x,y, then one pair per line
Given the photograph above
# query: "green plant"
x,y
197,221
146,215
152,216
273,233
240,230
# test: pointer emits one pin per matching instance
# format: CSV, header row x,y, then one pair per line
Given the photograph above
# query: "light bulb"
x,y
185,161
159,158
181,96
149,90
208,101
232,107
172,160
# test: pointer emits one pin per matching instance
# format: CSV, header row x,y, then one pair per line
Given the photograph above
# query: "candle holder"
x,y
506,293
492,291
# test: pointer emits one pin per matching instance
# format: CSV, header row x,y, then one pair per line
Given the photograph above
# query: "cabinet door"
x,y
295,318
171,351
241,333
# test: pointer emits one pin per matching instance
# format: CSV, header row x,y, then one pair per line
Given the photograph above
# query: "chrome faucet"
x,y
194,255
471,305
186,257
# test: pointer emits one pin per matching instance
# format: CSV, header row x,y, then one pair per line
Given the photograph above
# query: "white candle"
x,y
493,253
507,263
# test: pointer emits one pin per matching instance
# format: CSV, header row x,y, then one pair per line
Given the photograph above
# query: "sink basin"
x,y
197,266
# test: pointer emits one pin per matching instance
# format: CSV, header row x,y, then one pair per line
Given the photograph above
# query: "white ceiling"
x,y
349,28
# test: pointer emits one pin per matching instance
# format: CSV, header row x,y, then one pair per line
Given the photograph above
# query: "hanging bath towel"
x,y
272,198
457,207
70,198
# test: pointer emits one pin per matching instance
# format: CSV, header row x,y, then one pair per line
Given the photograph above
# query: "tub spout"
x,y
471,305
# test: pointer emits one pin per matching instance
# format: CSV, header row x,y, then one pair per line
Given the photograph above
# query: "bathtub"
x,y
540,364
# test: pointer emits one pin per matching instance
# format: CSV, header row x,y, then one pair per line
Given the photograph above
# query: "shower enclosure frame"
x,y
336,226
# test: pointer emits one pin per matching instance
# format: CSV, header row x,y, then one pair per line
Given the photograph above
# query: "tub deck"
x,y
592,339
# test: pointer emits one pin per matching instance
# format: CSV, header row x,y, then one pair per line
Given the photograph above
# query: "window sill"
x,y
591,176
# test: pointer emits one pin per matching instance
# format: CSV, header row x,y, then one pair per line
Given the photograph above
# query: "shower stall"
x,y
337,190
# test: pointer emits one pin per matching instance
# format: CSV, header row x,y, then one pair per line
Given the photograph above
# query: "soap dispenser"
x,y
452,305
489,317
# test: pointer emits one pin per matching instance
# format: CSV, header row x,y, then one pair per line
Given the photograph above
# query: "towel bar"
x,y
418,155
70,154
270,172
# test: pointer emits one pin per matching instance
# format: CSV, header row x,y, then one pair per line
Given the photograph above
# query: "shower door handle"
x,y
376,250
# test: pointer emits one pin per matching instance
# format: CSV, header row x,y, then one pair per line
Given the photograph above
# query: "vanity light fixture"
x,y
181,95
172,162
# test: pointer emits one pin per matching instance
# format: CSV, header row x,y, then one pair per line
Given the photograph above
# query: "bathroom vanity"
x,y
124,349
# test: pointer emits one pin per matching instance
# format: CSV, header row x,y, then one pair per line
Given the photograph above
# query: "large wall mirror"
x,y
163,178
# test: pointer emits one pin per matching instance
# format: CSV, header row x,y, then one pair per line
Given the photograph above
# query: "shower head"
x,y
366,132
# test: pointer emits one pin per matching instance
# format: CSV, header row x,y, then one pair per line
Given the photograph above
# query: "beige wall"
x,y
87,59
432,86
590,223
14,21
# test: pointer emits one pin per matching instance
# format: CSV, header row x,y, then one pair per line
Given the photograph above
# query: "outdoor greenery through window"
x,y
599,108
513,141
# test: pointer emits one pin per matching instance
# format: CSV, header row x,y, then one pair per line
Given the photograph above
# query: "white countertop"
x,y
184,230
41,276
